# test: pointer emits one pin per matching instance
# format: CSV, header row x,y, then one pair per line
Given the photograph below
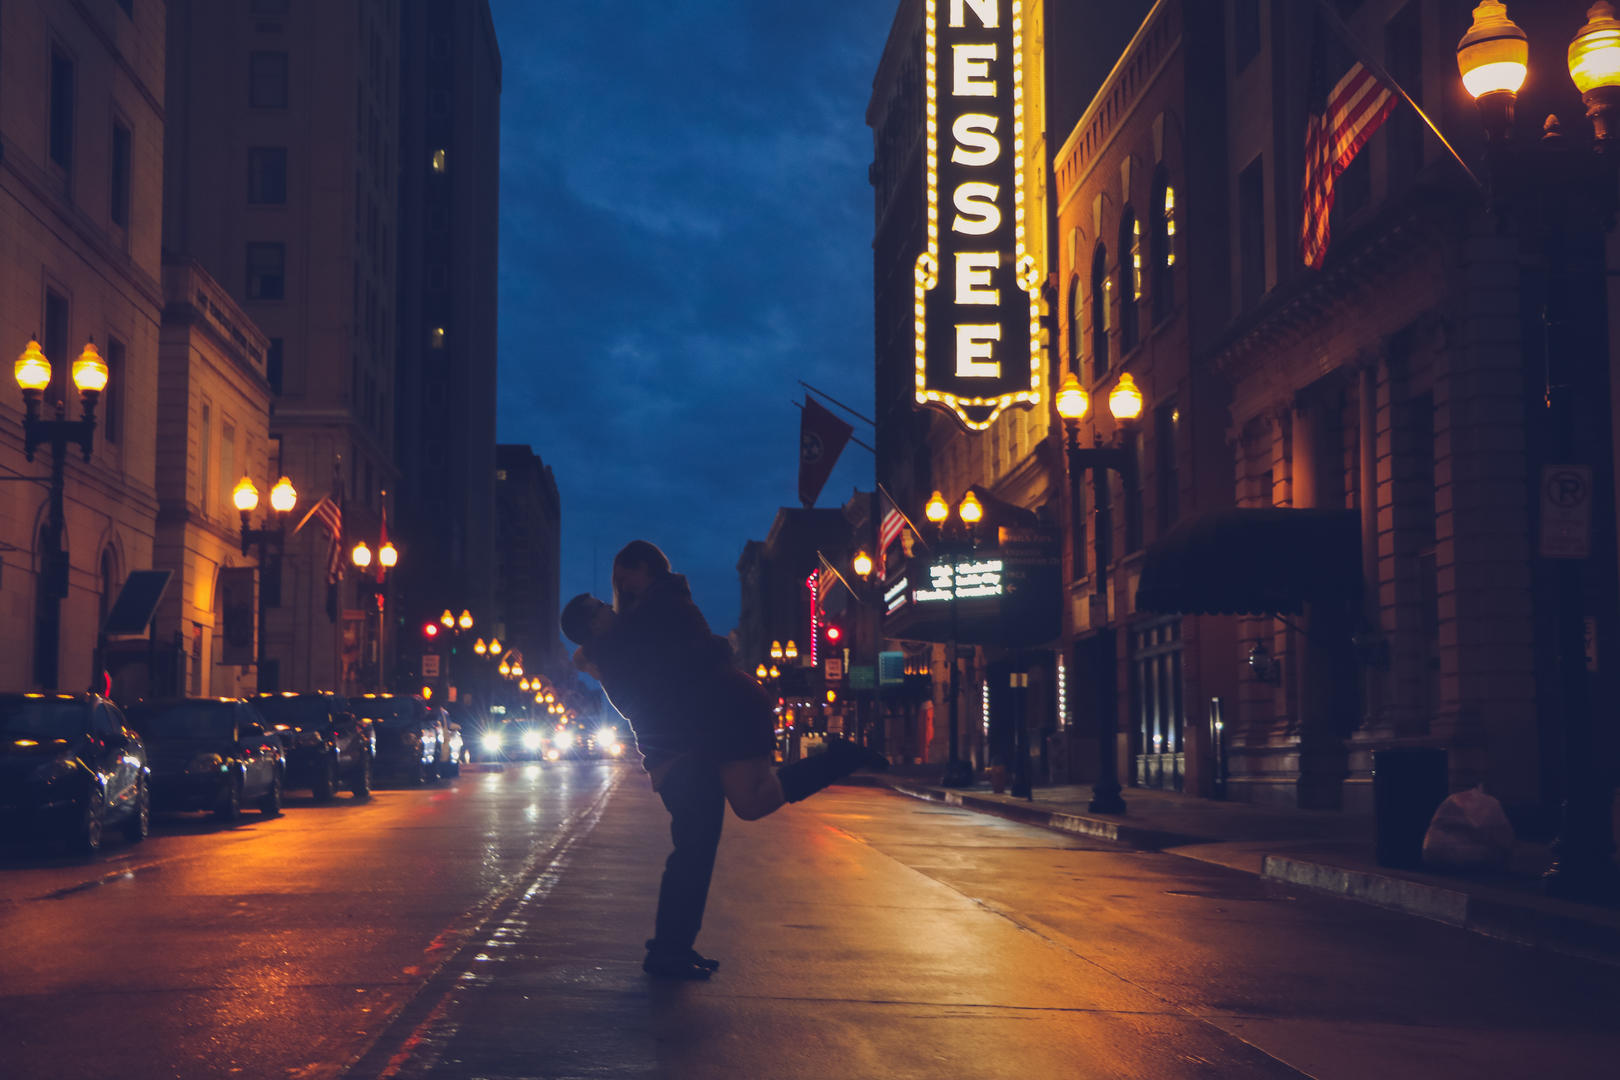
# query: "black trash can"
x,y
1409,784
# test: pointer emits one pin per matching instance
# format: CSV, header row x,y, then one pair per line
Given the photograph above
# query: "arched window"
x,y
1130,280
1101,294
1077,324
1163,223
108,594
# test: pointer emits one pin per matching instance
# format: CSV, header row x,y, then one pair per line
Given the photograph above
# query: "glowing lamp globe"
x,y
90,371
466,620
480,648
283,497
495,645
33,371
937,509
1494,56
1125,401
361,555
388,555
862,563
1594,55
447,620
971,510
245,496
1072,400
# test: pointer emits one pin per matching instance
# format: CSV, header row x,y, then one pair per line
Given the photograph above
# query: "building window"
x,y
119,209
267,80
1133,492
112,427
266,271
1166,423
227,464
1164,245
436,337
439,160
1252,233
1130,280
62,103
1403,53
272,365
1101,287
205,490
267,175
1077,324
1245,32
56,344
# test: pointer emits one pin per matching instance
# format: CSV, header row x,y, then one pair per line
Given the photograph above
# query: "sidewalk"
x,y
1324,850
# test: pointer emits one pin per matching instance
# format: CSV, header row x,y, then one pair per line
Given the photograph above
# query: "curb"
x,y
1533,921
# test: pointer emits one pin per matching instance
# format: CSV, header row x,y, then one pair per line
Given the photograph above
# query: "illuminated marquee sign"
x,y
965,580
977,286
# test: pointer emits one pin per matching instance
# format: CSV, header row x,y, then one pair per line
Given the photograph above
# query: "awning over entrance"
x,y
1254,562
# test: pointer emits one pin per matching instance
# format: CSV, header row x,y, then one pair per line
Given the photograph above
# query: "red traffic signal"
x,y
834,633
430,629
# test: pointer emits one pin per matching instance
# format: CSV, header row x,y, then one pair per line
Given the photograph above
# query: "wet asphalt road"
x,y
491,927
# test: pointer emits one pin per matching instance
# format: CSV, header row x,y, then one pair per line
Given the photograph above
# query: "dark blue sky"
x,y
686,230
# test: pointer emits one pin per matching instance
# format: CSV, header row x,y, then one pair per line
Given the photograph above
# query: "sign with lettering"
x,y
1566,512
978,307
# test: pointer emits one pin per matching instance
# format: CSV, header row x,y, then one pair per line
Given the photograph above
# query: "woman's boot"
x,y
805,777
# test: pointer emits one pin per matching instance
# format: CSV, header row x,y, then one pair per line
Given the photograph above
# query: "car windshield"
x,y
40,717
184,720
291,712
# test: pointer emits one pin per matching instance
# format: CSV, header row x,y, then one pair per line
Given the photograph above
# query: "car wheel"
x,y
422,775
361,785
270,805
140,821
86,838
326,782
229,807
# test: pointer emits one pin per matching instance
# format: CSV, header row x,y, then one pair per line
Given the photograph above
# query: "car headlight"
x,y
552,755
564,740
616,749
55,769
205,763
531,740
309,738
491,741
607,736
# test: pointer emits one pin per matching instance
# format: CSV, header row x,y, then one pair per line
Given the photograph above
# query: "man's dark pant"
x,y
697,805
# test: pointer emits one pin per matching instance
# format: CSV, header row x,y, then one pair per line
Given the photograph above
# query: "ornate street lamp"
x,y
1564,200
270,540
1125,404
33,374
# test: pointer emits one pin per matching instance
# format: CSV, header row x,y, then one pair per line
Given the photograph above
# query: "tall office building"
x,y
449,187
529,516
281,174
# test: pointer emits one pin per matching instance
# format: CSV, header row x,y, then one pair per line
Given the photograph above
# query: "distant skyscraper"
x,y
449,189
529,514
281,169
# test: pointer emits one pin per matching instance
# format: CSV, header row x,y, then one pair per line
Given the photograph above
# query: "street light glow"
x,y
245,496
1072,400
32,369
283,497
388,555
90,371
361,555
1494,55
466,620
1594,55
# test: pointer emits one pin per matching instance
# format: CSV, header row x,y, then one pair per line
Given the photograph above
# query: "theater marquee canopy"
x,y
977,286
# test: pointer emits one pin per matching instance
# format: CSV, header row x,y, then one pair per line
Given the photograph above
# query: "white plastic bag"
x,y
1468,832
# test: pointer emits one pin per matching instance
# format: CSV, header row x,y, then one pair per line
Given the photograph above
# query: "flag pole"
x,y
800,406
1337,25
896,504
835,401
841,579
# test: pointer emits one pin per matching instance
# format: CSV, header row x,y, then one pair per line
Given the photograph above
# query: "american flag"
x,y
330,516
1341,119
888,532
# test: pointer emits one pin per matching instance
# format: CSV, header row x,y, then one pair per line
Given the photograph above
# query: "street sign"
x,y
430,665
1566,511
891,669
862,677
835,667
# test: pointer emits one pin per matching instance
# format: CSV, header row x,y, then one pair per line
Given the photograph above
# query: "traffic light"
x,y
834,634
430,630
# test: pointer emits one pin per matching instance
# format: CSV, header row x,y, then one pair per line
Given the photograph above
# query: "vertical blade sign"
x,y
977,286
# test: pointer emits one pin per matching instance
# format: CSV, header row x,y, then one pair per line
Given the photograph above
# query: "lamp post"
x,y
952,543
387,557
1125,404
33,374
1565,199
270,541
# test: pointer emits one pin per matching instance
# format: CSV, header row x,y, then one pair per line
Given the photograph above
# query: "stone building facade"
x,y
81,174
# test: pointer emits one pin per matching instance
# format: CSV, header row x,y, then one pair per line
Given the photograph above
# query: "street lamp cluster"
x,y
1125,405
948,539
33,373
271,542
1564,202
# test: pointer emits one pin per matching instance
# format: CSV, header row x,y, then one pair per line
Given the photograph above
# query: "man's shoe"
x,y
664,966
694,956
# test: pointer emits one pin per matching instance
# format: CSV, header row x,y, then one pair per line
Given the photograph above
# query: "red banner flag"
x,y
821,439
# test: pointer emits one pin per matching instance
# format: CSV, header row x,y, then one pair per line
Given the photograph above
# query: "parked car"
x,y
410,733
328,747
69,768
211,754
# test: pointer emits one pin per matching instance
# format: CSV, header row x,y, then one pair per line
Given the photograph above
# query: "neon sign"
x,y
964,581
977,288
